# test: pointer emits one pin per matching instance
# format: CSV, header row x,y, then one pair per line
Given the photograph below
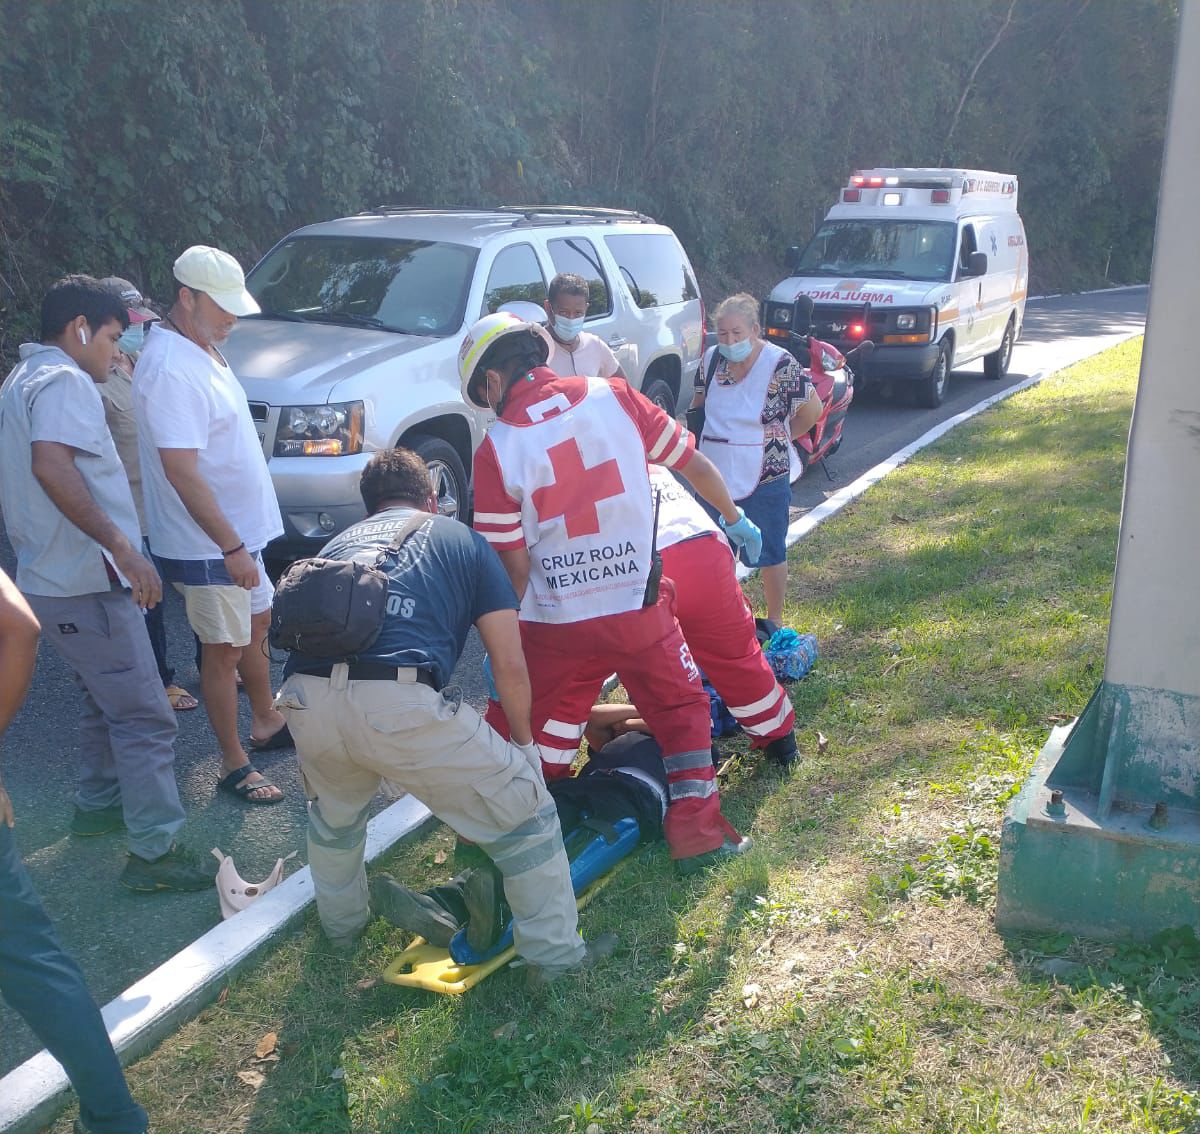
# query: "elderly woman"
x,y
756,401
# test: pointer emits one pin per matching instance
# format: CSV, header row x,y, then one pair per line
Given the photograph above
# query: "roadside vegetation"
x,y
846,975
135,128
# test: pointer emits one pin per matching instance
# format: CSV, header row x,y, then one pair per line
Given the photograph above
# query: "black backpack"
x,y
334,608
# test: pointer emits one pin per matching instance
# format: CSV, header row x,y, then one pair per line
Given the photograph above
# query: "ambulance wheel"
x,y
995,365
932,389
446,473
661,394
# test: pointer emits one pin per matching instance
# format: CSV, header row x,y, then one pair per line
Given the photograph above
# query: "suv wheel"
x,y
661,394
446,473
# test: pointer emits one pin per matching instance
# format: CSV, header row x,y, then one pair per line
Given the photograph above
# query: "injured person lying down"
x,y
616,802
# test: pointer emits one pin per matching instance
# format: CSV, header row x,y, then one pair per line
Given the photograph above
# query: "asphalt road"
x,y
118,936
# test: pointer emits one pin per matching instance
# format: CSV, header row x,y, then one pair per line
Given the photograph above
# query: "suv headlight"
x,y
320,431
906,321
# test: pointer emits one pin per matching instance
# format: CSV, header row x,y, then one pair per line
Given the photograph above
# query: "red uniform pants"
x,y
718,624
568,664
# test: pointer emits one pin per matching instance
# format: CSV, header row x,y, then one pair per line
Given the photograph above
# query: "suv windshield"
x,y
883,249
412,287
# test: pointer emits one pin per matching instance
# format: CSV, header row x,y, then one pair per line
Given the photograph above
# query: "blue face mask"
x,y
132,338
567,329
736,352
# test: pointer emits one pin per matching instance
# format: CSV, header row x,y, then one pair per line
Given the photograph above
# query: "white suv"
x,y
356,346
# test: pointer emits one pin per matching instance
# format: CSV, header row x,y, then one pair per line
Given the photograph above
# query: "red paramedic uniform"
x,y
563,473
714,616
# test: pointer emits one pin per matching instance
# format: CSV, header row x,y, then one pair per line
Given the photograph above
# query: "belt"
x,y
372,671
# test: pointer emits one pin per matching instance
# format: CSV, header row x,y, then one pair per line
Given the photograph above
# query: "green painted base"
x,y
1064,865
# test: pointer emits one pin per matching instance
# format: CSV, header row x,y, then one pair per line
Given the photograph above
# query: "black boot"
x,y
407,909
782,750
487,911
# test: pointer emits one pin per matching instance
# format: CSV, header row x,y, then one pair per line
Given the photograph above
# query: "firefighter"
x,y
562,494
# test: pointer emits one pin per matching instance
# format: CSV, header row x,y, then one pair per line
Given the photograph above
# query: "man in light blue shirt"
x,y
72,522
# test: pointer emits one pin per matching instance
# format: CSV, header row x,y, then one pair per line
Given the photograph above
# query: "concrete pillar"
x,y
1104,839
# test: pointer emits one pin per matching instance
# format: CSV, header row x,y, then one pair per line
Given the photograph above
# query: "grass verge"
x,y
846,975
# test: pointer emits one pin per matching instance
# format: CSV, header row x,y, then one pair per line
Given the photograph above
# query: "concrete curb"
x,y
31,1094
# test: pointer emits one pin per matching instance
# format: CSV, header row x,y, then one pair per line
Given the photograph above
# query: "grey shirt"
x,y
48,398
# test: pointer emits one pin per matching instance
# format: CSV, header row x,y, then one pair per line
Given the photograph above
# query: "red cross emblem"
x,y
576,490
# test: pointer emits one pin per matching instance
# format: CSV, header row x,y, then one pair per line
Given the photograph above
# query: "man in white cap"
x,y
210,504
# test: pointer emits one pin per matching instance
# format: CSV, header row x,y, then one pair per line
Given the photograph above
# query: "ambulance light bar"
x,y
876,181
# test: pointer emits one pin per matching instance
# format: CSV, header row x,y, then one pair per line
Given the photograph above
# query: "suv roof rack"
x,y
524,215
387,210
582,214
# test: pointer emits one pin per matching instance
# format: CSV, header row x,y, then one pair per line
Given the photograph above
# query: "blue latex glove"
x,y
746,537
489,677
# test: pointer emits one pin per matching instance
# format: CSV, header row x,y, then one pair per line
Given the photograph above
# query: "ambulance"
x,y
930,264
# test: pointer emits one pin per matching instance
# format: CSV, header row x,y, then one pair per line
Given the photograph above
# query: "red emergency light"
x,y
856,330
853,196
939,197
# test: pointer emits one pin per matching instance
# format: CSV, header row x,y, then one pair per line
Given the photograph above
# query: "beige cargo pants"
x,y
351,734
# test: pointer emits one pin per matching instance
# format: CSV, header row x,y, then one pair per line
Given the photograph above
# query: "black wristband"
x,y
233,550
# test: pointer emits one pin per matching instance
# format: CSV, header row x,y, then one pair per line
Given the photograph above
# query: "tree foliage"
x,y
132,128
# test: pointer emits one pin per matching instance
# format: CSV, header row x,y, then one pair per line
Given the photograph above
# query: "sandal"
x,y
280,739
235,784
181,700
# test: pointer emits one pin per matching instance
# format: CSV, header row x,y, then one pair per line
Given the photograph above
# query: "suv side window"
x,y
653,267
515,274
579,257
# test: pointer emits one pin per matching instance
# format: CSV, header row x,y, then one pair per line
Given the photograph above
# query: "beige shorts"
x,y
221,615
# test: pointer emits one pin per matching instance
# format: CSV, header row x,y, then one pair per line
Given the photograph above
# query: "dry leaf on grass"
x,y
366,984
751,994
440,857
266,1046
223,995
506,1031
253,1079
822,741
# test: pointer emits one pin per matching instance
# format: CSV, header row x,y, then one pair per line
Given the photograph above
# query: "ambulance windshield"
x,y
881,249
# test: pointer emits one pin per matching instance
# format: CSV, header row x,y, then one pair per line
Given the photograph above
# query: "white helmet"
x,y
483,336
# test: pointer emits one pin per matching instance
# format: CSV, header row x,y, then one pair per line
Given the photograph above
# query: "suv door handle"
x,y
617,341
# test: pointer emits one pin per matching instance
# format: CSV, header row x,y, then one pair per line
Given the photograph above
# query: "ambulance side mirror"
x,y
977,264
791,258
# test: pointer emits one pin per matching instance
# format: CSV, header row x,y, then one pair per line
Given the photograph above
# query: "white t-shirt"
x,y
591,358
183,398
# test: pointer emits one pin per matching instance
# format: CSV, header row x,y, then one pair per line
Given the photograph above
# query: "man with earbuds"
x,y
71,519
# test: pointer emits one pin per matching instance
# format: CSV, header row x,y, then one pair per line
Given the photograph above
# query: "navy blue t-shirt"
x,y
444,579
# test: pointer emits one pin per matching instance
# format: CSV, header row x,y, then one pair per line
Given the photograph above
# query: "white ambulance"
x,y
930,264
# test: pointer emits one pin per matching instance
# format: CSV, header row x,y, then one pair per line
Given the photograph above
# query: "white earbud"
x,y
82,336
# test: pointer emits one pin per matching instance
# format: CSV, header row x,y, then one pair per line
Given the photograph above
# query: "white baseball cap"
x,y
219,276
